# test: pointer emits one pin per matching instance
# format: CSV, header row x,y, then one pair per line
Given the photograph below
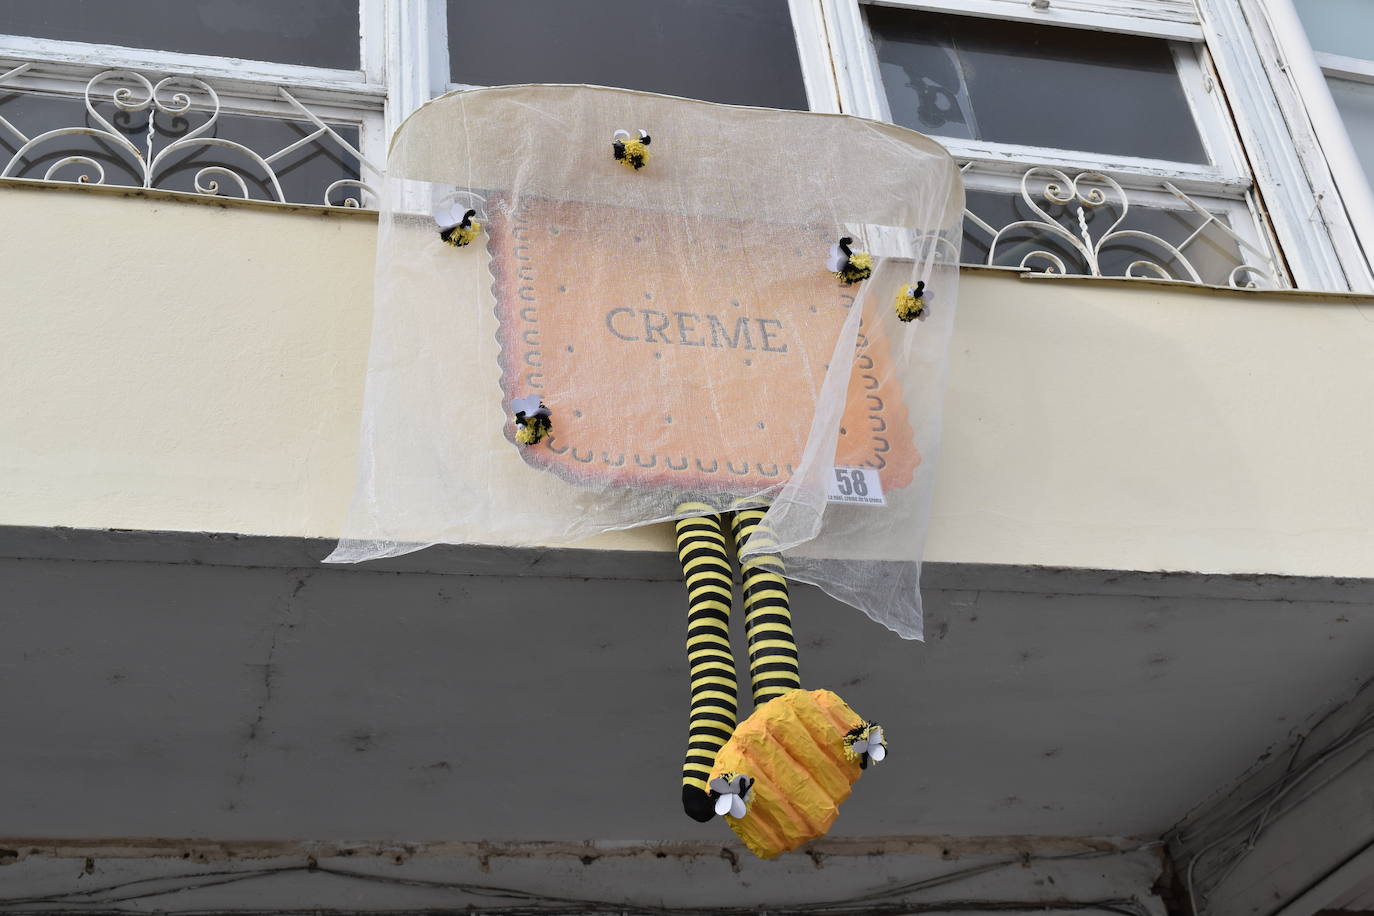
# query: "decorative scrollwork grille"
x,y
89,151
165,149
1067,244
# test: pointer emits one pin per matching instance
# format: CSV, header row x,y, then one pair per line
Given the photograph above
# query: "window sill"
x,y
210,200
1324,296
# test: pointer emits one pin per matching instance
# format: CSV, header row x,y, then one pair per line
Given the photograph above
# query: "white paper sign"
x,y
856,485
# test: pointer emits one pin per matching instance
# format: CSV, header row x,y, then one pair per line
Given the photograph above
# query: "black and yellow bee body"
x,y
532,421
462,233
631,152
911,304
849,266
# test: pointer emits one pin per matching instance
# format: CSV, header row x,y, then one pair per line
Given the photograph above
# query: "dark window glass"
x,y
1034,85
1213,253
303,174
317,33
741,52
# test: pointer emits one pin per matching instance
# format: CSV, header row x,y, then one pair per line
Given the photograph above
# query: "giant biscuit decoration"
x,y
597,352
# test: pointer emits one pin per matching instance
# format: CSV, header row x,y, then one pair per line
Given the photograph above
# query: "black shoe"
x,y
699,805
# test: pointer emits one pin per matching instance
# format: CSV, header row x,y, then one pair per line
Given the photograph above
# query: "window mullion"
x,y
858,85
1203,93
1102,17
228,72
815,55
416,57
372,40
1011,157
1357,69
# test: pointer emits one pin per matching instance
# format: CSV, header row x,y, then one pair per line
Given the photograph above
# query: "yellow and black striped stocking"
x,y
715,701
767,616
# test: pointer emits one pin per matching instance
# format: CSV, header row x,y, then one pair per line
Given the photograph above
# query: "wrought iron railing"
x,y
89,151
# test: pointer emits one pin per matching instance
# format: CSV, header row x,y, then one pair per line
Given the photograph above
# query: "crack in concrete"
x,y
285,621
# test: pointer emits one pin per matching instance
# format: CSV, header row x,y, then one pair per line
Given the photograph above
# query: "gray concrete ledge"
x,y
240,550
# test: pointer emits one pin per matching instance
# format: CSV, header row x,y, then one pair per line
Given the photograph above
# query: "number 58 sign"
x,y
856,485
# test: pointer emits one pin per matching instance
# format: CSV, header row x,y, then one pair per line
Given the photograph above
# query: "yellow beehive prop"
x,y
793,747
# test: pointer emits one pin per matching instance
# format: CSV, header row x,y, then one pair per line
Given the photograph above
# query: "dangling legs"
x,y
767,617
710,589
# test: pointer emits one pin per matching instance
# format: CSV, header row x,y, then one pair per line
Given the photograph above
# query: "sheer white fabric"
x,y
678,321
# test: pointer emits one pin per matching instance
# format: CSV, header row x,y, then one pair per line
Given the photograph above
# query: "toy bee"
x,y
732,794
848,266
866,744
911,304
532,421
628,152
456,230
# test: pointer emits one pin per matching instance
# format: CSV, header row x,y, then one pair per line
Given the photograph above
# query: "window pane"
x,y
1343,27
742,52
1046,86
1212,253
317,33
303,174
1355,102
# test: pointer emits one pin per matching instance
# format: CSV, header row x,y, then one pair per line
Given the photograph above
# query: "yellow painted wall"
x,y
172,365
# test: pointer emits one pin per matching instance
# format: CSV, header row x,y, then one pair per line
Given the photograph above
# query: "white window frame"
x,y
814,54
1299,201
1222,186
1331,150
1175,19
246,87
417,56
1261,120
1354,69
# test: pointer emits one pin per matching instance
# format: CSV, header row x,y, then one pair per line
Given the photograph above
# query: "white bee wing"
x,y
643,133
525,405
448,214
737,808
837,258
877,753
875,735
621,135
724,804
721,784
